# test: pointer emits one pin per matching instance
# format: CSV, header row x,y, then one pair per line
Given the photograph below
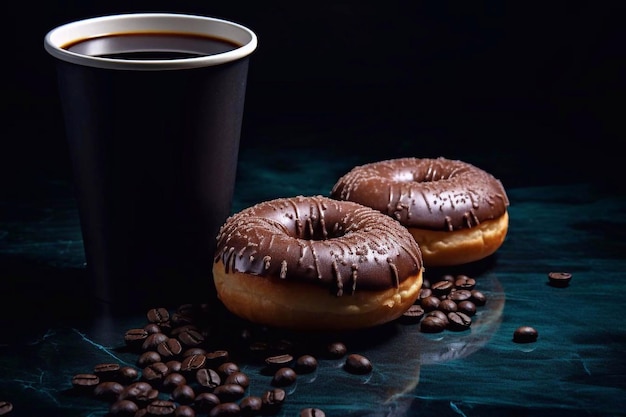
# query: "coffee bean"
x,y
161,408
432,324
183,394
478,298
460,295
447,306
225,409
148,358
127,374
190,337
277,361
153,340
5,408
439,314
174,365
192,363
123,408
459,321
440,288
169,348
216,358
238,378
250,406
178,330
155,372
194,351
463,282
283,377
184,411
152,328
525,334
229,392
305,364
430,303
227,368
135,337
312,412
559,279
107,371
467,307
158,315
139,392
413,314
205,402
172,380
85,381
336,350
208,379
108,390
425,292
358,364
272,400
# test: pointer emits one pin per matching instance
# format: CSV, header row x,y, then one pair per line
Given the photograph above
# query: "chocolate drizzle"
x,y
338,244
433,194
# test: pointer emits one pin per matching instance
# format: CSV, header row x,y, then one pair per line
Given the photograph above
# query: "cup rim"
x,y
64,34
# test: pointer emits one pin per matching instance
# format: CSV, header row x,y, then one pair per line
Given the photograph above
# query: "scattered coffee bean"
x,y
447,306
5,408
336,350
155,373
440,315
478,298
161,408
306,364
284,377
358,364
227,368
152,328
184,411
127,374
278,361
463,282
250,406
312,412
440,288
153,340
169,348
238,378
460,295
425,292
205,402
225,409
190,337
208,379
229,392
432,324
273,400
123,408
135,337
107,371
430,303
139,392
108,390
216,358
467,307
183,394
559,279
458,321
525,334
158,315
148,358
174,365
413,314
85,381
172,380
192,363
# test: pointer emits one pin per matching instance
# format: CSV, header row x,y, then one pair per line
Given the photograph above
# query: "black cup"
x,y
153,126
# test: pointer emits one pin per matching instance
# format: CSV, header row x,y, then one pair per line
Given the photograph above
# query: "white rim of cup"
x,y
60,36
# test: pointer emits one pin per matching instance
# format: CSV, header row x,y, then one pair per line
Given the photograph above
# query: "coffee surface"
x,y
151,46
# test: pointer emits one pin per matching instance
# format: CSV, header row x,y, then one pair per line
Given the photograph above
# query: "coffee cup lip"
x,y
57,38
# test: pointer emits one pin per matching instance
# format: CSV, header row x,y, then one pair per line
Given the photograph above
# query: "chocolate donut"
x,y
456,212
316,263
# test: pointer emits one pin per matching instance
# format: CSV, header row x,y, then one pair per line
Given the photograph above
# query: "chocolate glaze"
x,y
338,244
433,194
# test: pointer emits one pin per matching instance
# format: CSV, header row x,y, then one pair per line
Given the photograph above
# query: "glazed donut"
x,y
316,263
456,212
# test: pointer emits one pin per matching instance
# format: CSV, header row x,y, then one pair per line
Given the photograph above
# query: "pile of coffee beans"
x,y
183,368
449,303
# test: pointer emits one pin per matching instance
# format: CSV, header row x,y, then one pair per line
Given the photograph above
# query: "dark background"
x,y
532,91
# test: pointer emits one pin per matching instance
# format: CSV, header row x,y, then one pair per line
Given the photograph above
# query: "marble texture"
x,y
576,367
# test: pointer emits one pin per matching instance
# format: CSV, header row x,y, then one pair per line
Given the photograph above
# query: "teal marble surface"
x,y
576,367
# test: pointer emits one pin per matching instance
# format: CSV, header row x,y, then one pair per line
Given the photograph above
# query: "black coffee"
x,y
151,46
